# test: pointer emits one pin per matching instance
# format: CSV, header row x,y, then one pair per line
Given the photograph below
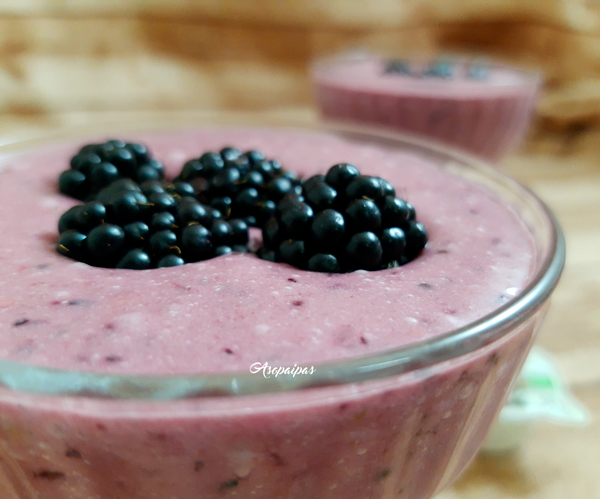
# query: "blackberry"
x,y
364,251
72,244
223,250
135,259
136,234
222,233
196,243
170,261
322,262
104,242
73,183
91,214
341,222
163,220
163,242
96,166
69,220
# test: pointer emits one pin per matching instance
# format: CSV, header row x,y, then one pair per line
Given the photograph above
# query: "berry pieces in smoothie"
x,y
341,222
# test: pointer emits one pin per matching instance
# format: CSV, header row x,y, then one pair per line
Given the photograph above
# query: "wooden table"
x,y
555,461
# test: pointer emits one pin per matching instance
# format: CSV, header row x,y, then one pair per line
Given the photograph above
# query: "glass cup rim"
x,y
48,381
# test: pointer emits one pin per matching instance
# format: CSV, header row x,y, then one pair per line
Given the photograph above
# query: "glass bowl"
x,y
400,423
487,113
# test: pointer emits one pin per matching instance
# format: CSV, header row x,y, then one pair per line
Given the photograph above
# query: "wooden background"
x,y
72,63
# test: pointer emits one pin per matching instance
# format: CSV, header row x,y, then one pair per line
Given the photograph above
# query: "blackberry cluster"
x,y
148,225
96,166
240,185
341,222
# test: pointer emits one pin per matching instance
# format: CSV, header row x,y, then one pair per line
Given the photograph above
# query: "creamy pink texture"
x,y
182,320
488,117
404,436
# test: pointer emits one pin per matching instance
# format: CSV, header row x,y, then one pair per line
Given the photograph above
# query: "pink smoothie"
x,y
400,437
482,109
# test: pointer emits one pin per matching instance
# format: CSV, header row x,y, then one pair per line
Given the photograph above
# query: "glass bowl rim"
x,y
24,378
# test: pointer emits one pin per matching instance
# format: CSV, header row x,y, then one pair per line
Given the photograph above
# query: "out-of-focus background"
x,y
110,61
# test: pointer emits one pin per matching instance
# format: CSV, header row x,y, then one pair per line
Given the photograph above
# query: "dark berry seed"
x,y
363,215
116,143
296,220
163,220
72,244
226,181
264,210
151,187
252,179
322,262
134,259
191,170
84,162
163,242
416,239
170,261
223,205
310,182
265,168
147,172
365,186
271,233
254,156
276,168
158,166
388,189
222,233
214,213
288,201
293,252
393,242
241,163
193,213
114,190
293,176
223,250
105,241
412,214
278,188
90,215
88,149
162,201
364,251
73,183
230,153
394,212
251,221
196,243
240,248
239,231
139,151
124,160
182,189
102,175
246,199
321,196
69,220
212,163
128,207
185,200
136,233
267,254
328,228
340,175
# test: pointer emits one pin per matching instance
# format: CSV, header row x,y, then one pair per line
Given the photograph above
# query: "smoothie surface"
x,y
230,312
370,75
